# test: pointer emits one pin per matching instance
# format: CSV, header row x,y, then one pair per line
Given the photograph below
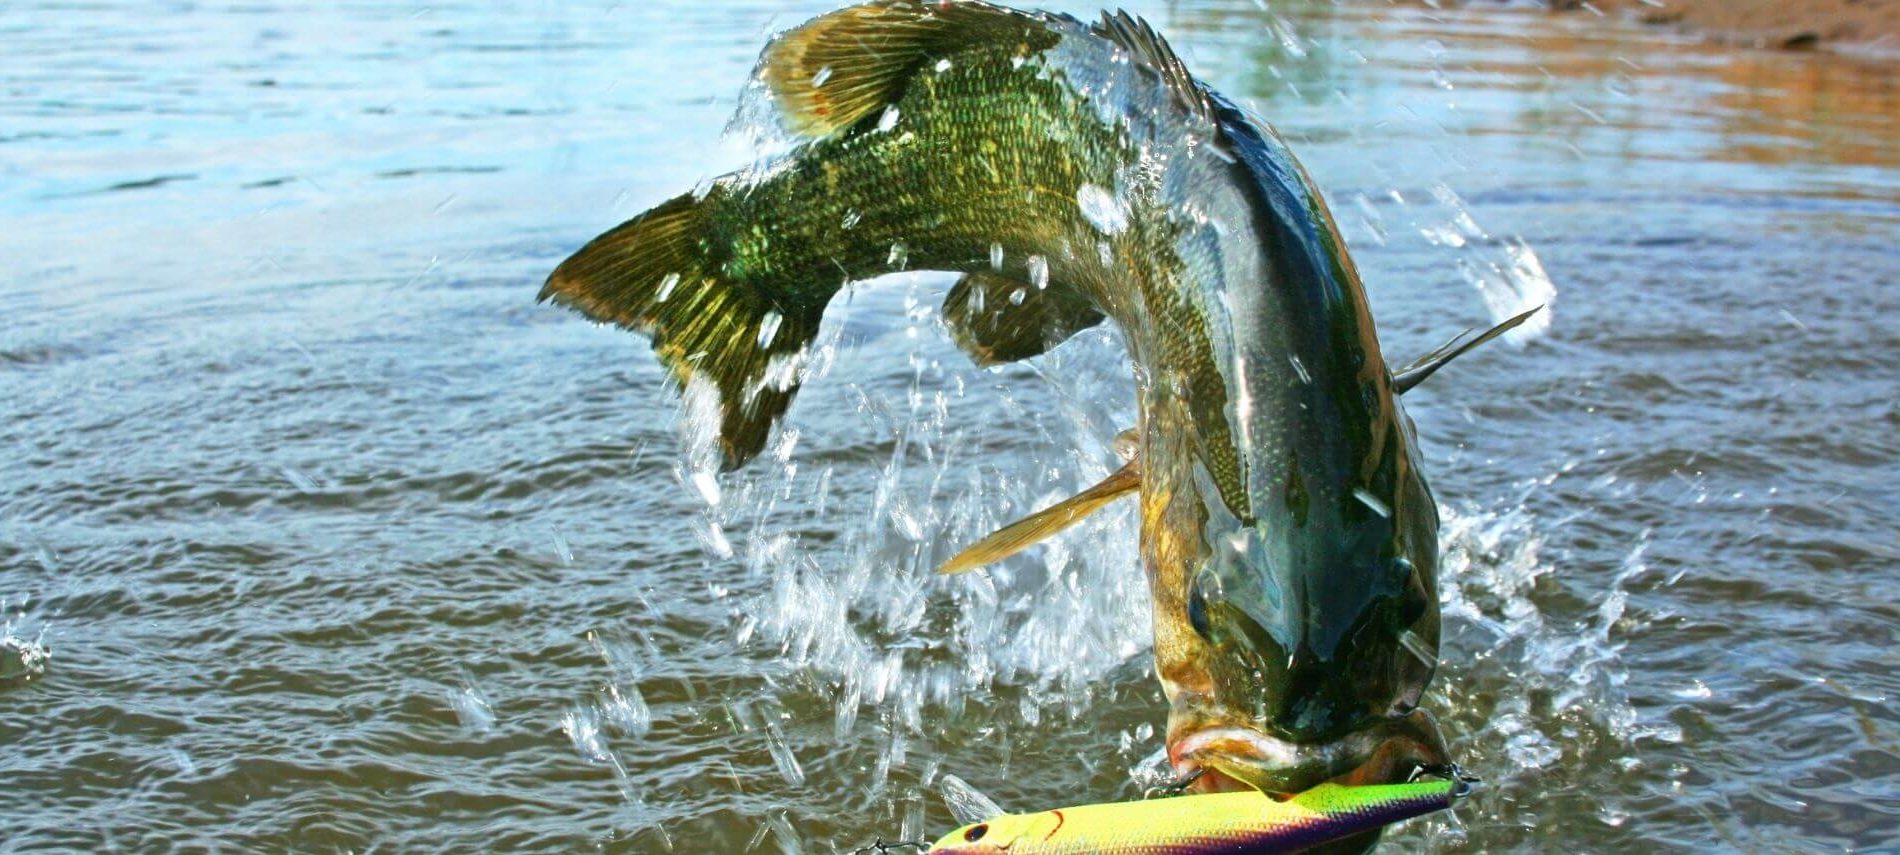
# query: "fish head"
x,y
1307,635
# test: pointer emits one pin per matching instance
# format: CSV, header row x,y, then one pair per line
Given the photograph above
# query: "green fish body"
x,y
1072,173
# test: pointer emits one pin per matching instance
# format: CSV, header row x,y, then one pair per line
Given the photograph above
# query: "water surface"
x,y
338,541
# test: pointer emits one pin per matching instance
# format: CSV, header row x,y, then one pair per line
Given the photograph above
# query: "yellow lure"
x,y
1216,822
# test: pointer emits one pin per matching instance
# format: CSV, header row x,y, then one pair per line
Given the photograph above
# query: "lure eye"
x,y
976,833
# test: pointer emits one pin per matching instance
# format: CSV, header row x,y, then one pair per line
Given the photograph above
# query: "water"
x,y
335,540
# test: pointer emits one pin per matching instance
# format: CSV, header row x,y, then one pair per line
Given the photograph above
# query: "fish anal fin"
x,y
1404,379
1043,524
713,332
997,318
839,68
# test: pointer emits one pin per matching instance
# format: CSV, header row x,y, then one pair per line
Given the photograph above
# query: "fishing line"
x,y
1175,787
883,846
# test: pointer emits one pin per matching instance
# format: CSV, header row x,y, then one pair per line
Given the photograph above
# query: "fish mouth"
x,y
1232,758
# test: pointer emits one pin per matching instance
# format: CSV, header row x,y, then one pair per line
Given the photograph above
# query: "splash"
x,y
1529,700
829,548
1504,269
966,803
22,659
868,613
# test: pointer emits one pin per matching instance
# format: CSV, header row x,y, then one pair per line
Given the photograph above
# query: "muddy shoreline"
x,y
1848,26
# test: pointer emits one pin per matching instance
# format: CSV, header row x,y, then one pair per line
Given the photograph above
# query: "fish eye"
x,y
1197,613
976,832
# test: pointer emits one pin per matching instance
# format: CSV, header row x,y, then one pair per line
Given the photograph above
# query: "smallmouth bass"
x,y
1075,173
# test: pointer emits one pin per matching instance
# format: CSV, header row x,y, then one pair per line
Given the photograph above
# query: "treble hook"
x,y
1175,787
1463,781
882,846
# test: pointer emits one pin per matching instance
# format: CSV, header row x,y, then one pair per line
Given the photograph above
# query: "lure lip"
x,y
1231,757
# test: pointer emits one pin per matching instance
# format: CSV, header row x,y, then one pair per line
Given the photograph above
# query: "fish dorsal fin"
x,y
1154,53
1043,524
835,70
999,318
1411,375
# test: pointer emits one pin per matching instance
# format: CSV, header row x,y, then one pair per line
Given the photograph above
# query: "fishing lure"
x,y
1217,822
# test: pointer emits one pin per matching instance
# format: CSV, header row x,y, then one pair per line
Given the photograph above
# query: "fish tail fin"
x,y
656,274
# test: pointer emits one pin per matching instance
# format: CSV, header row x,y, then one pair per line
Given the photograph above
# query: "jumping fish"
x,y
1075,172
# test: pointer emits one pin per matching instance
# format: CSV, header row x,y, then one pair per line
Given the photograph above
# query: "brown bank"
x,y
1870,26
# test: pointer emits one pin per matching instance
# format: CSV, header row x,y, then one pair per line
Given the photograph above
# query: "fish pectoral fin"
x,y
998,318
1425,366
715,332
1039,526
840,68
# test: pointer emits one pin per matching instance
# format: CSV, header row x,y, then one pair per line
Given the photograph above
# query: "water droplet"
x,y
1418,647
787,836
888,120
21,659
996,256
303,483
851,218
768,328
471,708
819,79
782,757
966,803
582,727
1377,505
667,284
707,485
1300,369
1107,213
1039,272
627,711
183,761
943,65
713,537
1288,38
846,716
913,824
1695,691
1017,297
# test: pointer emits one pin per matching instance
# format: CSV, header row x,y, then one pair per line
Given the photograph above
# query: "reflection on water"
x,y
336,540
